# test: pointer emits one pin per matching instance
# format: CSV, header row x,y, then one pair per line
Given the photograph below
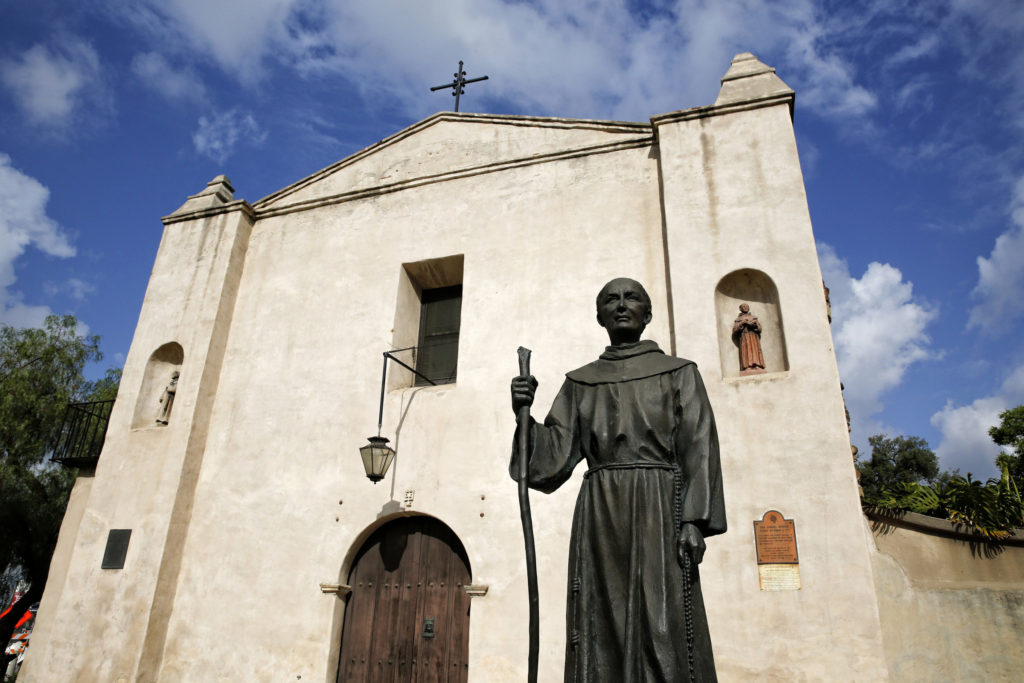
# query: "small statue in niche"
x,y
828,303
746,333
167,399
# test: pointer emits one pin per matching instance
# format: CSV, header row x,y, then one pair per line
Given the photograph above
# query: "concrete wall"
x,y
952,606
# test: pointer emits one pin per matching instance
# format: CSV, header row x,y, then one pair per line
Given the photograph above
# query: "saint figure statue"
x,y
746,333
167,399
651,494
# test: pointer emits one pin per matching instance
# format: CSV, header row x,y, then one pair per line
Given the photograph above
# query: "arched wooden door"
x,y
407,618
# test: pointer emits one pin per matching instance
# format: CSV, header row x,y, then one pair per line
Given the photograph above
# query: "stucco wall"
x,y
314,313
952,606
254,494
104,619
42,629
734,199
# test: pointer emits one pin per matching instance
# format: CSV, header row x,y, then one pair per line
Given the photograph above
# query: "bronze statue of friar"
x,y
651,494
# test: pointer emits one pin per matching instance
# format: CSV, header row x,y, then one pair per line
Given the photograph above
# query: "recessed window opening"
x,y
437,354
428,316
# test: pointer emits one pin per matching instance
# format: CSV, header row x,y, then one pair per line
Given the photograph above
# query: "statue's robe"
x,y
747,335
642,421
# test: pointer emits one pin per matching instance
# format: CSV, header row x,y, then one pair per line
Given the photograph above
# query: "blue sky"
x,y
909,120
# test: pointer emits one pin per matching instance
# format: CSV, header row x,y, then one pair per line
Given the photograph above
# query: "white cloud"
x,y
997,15
156,72
879,330
24,224
74,287
220,134
233,34
562,57
828,82
577,58
915,94
79,289
992,54
594,59
925,46
1001,276
51,85
965,440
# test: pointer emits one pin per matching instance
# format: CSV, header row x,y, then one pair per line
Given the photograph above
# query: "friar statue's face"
x,y
624,310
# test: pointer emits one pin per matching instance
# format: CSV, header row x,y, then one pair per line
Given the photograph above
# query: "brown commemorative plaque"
x,y
778,565
775,539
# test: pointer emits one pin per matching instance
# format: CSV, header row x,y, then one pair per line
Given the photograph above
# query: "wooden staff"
x,y
523,438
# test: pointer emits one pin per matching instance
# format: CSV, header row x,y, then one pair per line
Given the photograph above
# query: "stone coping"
x,y
727,108
620,127
455,174
938,527
208,212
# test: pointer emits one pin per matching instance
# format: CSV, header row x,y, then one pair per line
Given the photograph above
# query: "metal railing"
x,y
80,438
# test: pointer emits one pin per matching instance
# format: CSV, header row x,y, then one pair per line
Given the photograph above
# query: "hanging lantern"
x,y
377,457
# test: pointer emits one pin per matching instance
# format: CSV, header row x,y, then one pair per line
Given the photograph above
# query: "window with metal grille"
x,y
437,352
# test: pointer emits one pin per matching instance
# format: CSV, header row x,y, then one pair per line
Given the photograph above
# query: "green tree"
x,y
1010,432
903,475
105,389
993,508
895,461
40,373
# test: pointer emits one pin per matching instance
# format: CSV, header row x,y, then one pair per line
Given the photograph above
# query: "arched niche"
x,y
755,288
413,568
160,367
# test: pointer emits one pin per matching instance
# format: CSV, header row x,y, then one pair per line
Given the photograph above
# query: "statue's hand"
x,y
523,391
691,541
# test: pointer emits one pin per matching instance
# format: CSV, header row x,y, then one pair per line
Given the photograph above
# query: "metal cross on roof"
x,y
456,85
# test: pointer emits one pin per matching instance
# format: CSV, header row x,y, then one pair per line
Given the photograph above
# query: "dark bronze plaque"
x,y
117,549
775,539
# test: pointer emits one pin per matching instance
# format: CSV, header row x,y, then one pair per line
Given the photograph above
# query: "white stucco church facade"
x,y
253,528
